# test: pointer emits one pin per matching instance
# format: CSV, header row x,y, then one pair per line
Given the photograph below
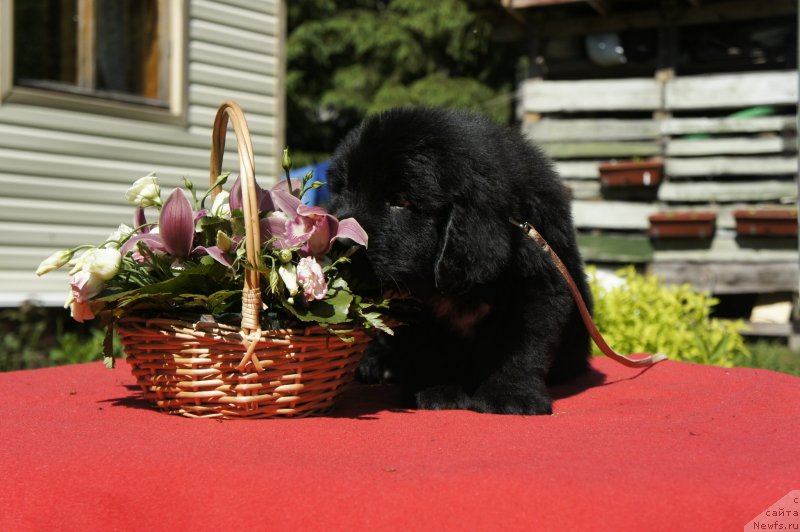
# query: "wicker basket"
x,y
201,369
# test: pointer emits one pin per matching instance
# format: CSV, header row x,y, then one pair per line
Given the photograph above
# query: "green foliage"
x,y
76,348
22,332
35,337
349,58
772,355
645,315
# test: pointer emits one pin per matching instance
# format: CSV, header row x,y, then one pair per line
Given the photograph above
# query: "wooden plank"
x,y
28,186
225,78
552,130
105,170
211,32
268,7
578,169
200,116
62,212
25,258
63,142
104,126
543,96
568,150
18,286
731,90
690,126
731,277
626,249
616,215
225,56
731,145
237,18
56,236
716,166
709,191
726,247
214,96
583,189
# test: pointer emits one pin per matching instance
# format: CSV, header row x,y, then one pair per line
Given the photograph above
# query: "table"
x,y
674,447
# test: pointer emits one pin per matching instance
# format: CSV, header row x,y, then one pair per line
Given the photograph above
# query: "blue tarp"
x,y
321,195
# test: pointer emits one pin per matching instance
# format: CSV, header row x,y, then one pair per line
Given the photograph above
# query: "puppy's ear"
x,y
473,249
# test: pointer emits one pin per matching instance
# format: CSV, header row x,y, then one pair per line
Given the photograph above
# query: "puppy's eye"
x,y
400,203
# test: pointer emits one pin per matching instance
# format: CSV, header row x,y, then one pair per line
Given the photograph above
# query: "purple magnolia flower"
x,y
175,234
311,229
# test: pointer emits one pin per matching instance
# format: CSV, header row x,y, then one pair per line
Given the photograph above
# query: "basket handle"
x,y
251,293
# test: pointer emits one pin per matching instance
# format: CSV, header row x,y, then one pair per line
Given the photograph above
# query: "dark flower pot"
x,y
683,224
766,222
631,173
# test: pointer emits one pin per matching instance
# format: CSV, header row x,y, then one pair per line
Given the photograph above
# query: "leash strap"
x,y
646,360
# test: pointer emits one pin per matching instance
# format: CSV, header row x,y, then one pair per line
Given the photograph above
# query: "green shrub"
x,y
32,337
774,355
645,315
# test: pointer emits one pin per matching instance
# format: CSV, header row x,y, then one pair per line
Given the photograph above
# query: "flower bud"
x,y
145,191
287,160
221,206
103,263
54,262
224,242
285,256
288,274
123,232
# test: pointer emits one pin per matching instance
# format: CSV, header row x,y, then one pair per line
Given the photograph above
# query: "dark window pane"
x,y
45,41
127,51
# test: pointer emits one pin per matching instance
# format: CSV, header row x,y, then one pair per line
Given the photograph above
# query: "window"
x,y
113,56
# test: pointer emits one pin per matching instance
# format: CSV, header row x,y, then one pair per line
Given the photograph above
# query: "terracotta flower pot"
x,y
683,224
631,173
766,222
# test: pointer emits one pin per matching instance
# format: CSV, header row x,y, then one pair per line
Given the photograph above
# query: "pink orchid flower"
x,y
176,233
311,229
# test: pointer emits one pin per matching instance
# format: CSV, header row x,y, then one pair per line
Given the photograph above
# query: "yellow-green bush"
x,y
645,315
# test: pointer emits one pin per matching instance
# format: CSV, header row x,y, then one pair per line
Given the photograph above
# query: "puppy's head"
x,y
420,183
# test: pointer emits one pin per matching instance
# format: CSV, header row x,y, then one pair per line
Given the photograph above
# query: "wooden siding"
x,y
63,174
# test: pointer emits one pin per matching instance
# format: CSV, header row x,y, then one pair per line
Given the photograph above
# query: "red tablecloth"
x,y
675,447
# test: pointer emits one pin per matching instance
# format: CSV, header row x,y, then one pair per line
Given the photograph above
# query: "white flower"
x,y
114,239
84,286
221,206
312,278
288,273
54,262
101,262
145,191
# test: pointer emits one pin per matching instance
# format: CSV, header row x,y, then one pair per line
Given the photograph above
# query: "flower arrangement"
x,y
192,259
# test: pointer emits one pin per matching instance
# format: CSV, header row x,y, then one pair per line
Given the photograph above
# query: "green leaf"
x,y
335,308
375,319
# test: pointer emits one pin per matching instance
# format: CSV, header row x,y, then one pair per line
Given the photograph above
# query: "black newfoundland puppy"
x,y
434,190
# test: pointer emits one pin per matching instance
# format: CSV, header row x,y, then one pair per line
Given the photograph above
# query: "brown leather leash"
x,y
648,358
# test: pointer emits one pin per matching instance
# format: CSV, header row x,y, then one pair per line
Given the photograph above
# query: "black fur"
x,y
434,190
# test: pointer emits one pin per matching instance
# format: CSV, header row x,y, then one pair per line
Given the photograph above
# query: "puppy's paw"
x,y
375,367
520,404
443,397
